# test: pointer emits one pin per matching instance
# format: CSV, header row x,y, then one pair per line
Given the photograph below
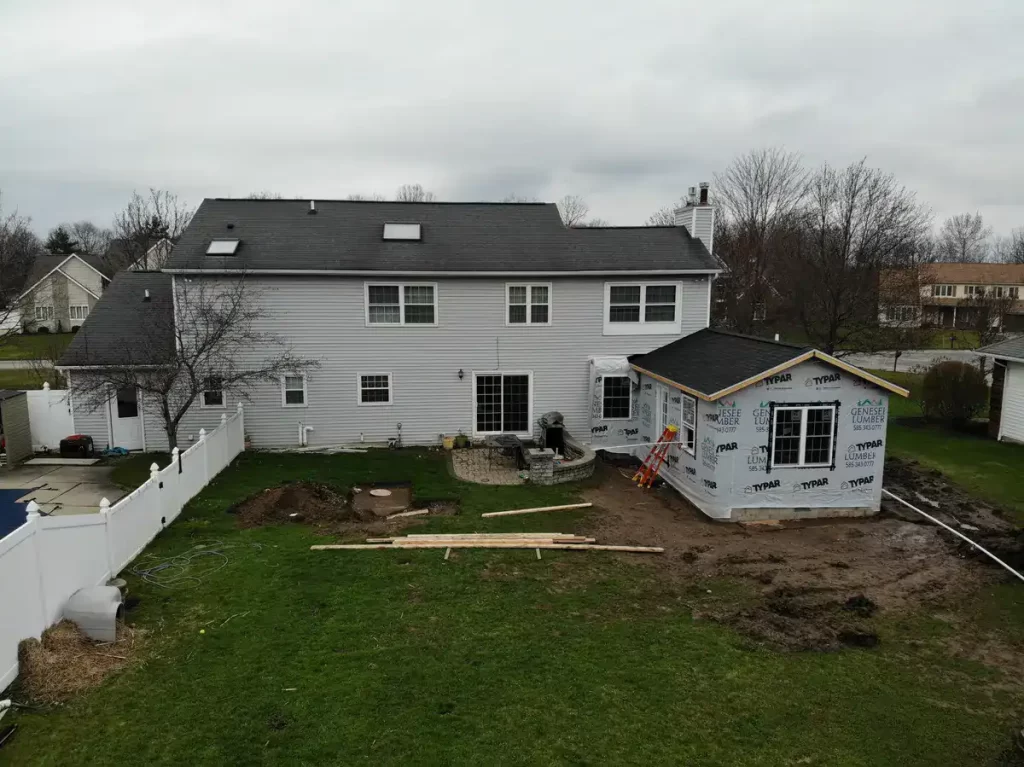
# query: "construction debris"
x,y
538,509
413,513
448,541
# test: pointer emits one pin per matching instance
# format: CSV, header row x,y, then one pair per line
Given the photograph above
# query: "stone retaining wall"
x,y
545,470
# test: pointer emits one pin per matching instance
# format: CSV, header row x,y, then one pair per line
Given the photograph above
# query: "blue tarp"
x,y
12,513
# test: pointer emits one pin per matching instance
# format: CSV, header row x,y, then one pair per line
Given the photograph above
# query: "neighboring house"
x,y
61,291
948,295
1006,405
427,319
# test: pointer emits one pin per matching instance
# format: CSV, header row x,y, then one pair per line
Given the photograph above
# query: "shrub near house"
x,y
953,393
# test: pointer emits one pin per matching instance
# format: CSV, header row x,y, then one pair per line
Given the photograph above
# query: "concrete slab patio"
x,y
63,489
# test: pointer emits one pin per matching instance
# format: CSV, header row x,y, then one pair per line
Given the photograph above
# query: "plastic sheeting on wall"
x,y
612,432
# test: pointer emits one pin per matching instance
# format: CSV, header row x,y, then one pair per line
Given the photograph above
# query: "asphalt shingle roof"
x,y
456,237
125,329
46,263
709,361
1013,347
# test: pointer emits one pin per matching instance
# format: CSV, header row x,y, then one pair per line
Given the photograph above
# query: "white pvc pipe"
x,y
940,523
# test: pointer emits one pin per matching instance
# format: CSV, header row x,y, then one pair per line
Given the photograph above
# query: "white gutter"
x,y
115,365
436,273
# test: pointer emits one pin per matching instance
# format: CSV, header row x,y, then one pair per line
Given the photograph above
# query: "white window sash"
x,y
620,418
802,450
643,326
285,390
401,304
202,398
503,374
359,389
684,426
529,286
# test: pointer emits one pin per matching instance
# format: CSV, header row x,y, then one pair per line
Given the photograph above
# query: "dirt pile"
x,y
816,584
65,662
306,502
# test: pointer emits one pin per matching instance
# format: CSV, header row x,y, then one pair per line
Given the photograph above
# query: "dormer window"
x,y
408,232
222,247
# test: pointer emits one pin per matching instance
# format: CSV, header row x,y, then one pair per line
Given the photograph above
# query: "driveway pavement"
x,y
910,359
62,489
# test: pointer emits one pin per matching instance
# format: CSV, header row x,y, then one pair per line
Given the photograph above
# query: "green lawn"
x,y
35,346
987,468
385,657
25,379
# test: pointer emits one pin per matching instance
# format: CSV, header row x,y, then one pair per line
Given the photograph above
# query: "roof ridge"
x,y
757,338
376,202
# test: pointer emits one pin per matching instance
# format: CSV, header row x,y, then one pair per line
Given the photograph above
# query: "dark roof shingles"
x,y
456,237
709,361
125,329
1013,347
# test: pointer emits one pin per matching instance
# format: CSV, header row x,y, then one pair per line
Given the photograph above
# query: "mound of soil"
x,y
306,502
816,584
65,662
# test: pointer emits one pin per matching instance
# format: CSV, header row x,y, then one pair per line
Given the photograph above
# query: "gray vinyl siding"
x,y
324,319
91,417
1013,403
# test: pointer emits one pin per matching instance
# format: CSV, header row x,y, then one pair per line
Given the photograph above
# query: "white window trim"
x,y
630,417
643,328
47,316
72,307
683,425
401,304
305,390
529,303
803,437
939,290
359,389
202,397
529,412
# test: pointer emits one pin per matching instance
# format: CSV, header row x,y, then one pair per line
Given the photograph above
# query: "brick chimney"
x,y
698,215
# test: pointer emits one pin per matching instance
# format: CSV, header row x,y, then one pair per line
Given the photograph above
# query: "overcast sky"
x,y
624,103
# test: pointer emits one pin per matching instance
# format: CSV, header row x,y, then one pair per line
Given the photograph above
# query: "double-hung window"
x,y
293,390
616,398
642,308
688,424
528,304
78,313
944,291
374,388
44,313
803,435
401,304
1013,292
213,392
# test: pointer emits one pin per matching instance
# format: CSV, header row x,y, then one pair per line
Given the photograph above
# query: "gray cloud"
x,y
626,105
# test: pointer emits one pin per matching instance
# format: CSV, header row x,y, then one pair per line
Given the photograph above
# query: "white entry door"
x,y
126,419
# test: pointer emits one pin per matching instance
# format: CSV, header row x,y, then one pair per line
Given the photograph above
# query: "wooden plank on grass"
x,y
537,510
481,545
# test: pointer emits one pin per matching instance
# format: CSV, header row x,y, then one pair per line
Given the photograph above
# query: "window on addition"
x,y
617,399
803,435
688,419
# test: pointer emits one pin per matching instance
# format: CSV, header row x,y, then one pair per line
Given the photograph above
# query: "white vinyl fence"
x,y
48,559
49,415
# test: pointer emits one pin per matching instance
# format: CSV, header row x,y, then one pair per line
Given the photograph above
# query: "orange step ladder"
x,y
649,469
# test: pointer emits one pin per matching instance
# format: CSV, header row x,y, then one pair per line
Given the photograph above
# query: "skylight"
x,y
222,247
402,231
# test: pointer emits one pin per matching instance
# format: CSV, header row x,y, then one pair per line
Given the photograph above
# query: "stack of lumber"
x,y
565,541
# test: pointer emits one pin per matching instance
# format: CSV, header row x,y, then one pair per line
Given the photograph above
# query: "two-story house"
x,y
434,319
61,291
951,295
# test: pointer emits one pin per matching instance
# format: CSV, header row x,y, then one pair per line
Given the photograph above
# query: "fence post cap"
x,y
175,451
104,505
202,434
223,417
46,386
239,408
32,508
154,469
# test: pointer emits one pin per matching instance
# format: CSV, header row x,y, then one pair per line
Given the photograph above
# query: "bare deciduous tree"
x,y
366,198
217,344
573,209
414,193
518,198
963,238
760,198
984,311
18,250
143,223
664,216
857,222
91,239
1010,249
264,194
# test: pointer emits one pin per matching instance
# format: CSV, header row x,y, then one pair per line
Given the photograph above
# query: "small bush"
x,y
953,393
43,330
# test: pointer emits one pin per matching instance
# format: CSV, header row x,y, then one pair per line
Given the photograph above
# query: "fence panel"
x,y
48,559
49,415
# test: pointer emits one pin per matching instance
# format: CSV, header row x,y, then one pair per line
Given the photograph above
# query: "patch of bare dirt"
x,y
817,583
65,661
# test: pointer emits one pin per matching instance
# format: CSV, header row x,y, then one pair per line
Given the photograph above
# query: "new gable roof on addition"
x,y
711,364
347,237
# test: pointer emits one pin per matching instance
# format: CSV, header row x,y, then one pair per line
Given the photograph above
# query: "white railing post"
x,y
205,457
107,536
32,518
154,478
174,482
